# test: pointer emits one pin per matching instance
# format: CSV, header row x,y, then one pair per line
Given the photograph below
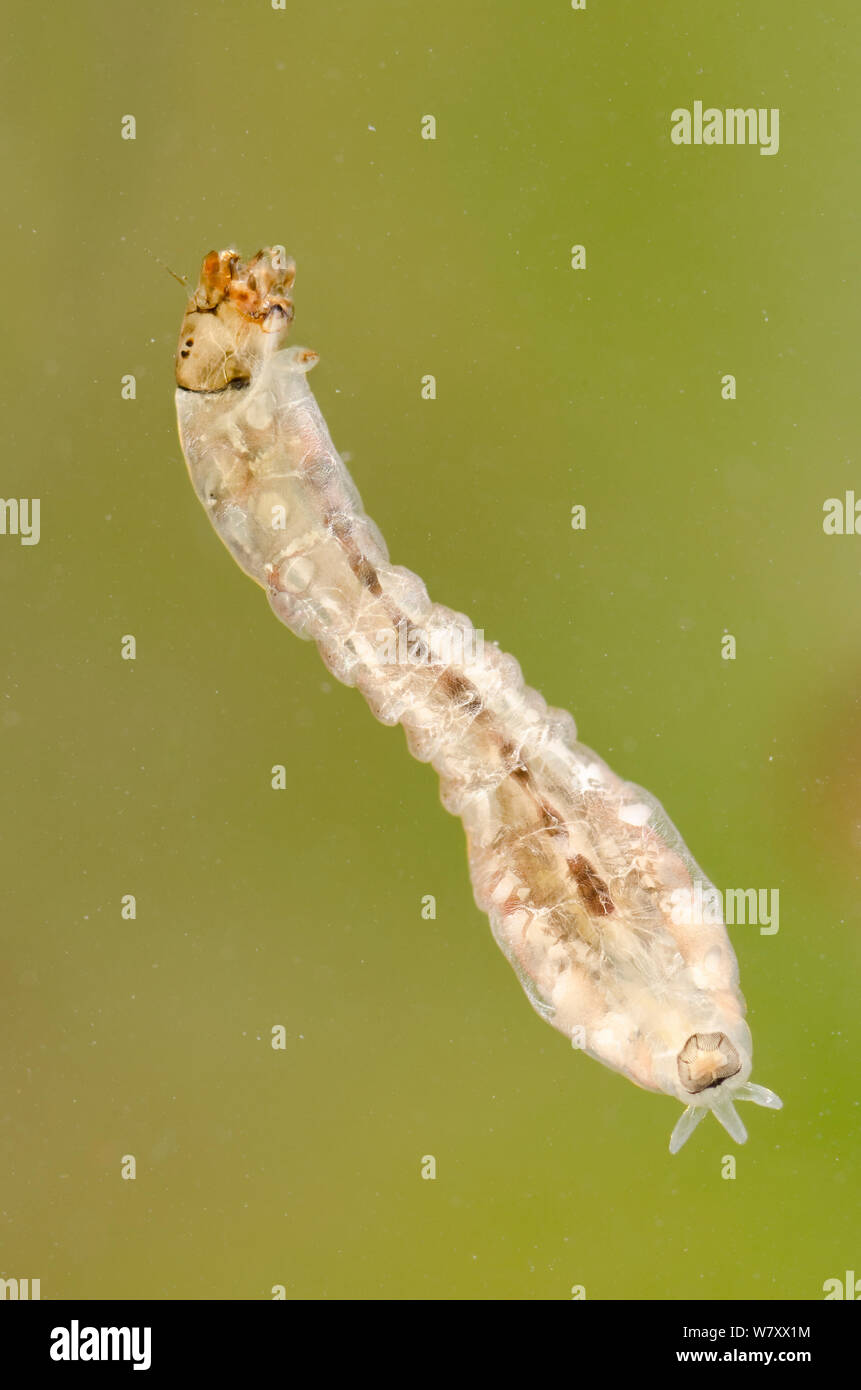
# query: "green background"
x,y
408,1037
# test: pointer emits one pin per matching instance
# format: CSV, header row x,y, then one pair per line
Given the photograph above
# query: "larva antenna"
x,y
725,1113
690,1118
180,279
760,1095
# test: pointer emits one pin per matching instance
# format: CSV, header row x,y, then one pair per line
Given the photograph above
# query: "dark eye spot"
x,y
189,342
184,352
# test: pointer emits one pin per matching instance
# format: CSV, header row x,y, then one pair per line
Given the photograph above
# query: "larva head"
x,y
707,1060
713,1072
705,1063
238,316
697,1055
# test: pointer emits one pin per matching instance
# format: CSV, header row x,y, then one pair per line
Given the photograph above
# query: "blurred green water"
x,y
256,908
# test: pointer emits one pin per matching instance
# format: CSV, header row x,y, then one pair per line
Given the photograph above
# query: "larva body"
x,y
582,875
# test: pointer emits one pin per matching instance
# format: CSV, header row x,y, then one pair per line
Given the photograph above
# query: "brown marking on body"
x,y
550,821
366,574
341,528
593,890
512,904
463,691
416,645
